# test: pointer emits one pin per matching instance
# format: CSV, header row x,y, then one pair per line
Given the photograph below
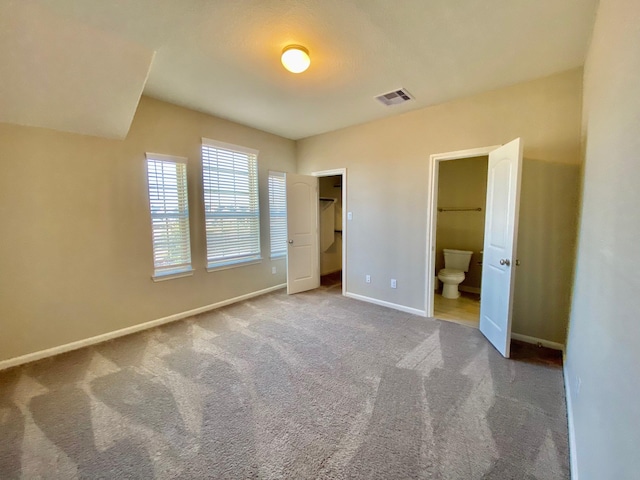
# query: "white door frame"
x,y
331,173
432,214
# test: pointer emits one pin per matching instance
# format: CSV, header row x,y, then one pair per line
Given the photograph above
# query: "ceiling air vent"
x,y
396,97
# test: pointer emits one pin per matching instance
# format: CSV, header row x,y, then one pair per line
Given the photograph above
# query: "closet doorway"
x,y
332,200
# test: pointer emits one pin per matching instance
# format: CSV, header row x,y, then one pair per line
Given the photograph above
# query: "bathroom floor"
x,y
464,309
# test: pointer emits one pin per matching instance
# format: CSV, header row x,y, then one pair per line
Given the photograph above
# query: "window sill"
x,y
161,277
228,266
277,256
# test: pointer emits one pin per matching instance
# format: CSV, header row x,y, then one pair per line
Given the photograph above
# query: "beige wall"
x,y
462,184
546,249
388,175
603,350
331,260
76,256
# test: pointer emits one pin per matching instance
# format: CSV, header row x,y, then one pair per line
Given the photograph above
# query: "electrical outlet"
x,y
273,270
349,215
367,278
394,284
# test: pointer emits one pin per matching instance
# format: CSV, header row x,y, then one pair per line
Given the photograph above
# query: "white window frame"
x,y
173,191
237,167
277,212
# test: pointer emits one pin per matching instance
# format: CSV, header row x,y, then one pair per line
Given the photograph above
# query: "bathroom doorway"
x,y
457,222
499,258
332,228
460,221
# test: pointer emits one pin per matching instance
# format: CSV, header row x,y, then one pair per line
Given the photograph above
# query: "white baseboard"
x,y
32,357
573,455
536,341
382,303
464,288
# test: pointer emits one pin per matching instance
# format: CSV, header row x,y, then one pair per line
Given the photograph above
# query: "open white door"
x,y
500,236
303,256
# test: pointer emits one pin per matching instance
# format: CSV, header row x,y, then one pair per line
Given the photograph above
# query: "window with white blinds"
x,y
278,214
169,205
232,213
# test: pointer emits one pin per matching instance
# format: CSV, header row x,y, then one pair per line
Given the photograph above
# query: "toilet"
x,y
456,262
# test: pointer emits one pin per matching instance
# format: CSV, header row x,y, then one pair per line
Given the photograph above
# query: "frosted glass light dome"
x,y
295,58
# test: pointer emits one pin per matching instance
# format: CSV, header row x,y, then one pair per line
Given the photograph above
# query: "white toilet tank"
x,y
457,259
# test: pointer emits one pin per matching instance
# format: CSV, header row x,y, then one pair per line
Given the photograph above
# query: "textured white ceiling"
x,y
222,57
58,73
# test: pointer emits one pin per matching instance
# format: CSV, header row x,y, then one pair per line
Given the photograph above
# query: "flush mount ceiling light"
x,y
295,58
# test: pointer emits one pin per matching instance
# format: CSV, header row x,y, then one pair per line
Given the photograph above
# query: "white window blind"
x,y
232,214
278,213
169,205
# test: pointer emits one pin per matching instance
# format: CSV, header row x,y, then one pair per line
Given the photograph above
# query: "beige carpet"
x,y
313,385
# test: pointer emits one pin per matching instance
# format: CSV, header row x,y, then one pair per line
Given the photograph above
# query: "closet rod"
x,y
454,209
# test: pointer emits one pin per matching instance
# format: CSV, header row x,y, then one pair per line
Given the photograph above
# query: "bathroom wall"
x,y
331,259
462,184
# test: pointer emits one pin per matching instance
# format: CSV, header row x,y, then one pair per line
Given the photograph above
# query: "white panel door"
x,y
303,256
500,235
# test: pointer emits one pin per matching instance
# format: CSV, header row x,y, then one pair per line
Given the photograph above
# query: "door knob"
x,y
290,242
505,261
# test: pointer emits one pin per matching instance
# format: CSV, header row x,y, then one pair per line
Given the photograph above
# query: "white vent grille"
x,y
394,98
